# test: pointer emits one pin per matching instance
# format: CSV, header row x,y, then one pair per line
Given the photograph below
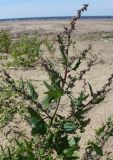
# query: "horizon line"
x,y
53,17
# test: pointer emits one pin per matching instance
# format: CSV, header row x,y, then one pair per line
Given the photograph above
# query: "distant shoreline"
x,y
58,18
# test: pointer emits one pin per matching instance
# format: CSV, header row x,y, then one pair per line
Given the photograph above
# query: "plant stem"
x,y
64,80
52,119
63,83
62,45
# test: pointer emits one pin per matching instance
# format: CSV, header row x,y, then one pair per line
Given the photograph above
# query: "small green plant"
x,y
94,149
5,41
25,150
25,51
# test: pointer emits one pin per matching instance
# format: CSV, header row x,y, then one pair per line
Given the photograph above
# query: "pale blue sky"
x,y
45,8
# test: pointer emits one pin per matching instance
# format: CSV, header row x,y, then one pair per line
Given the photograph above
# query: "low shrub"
x,y
25,51
5,41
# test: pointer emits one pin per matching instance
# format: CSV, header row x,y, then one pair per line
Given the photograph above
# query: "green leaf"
x,y
46,102
73,142
69,152
82,96
69,127
21,84
60,142
49,87
33,94
54,92
78,102
97,148
37,123
100,130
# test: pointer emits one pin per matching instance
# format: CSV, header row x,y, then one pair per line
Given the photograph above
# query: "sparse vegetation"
x,y
54,136
5,41
25,51
108,35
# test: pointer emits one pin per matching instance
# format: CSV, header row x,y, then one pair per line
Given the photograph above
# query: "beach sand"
x,y
56,26
98,33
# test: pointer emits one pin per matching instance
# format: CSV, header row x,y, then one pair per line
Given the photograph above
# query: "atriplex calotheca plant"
x,y
55,136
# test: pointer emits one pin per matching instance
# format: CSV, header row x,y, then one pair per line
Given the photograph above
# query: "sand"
x,y
95,32
55,26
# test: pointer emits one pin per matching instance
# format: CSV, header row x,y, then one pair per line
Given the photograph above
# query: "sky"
x,y
51,8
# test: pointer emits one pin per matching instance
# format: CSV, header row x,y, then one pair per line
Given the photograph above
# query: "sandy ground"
x,y
55,26
93,32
